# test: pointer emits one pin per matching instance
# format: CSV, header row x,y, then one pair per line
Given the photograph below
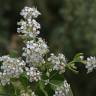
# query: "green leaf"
x,y
42,87
78,58
24,81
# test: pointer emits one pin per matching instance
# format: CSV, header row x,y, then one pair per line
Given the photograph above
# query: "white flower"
x,y
35,24
23,93
33,74
90,64
28,12
58,62
10,68
29,28
35,48
33,94
38,47
23,27
59,92
35,51
47,82
4,78
63,90
66,87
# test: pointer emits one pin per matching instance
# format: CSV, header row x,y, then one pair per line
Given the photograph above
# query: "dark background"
x,y
69,26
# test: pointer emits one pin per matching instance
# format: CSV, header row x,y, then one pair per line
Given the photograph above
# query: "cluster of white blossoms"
x,y
33,74
23,93
59,62
10,68
63,90
28,12
35,48
90,64
34,51
29,27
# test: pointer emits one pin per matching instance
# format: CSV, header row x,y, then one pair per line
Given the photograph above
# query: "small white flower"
x,y
29,27
23,93
63,90
66,87
90,64
58,62
10,68
47,82
59,92
35,51
33,74
33,94
35,25
28,12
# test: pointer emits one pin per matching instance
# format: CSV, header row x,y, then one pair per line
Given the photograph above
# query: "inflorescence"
x,y
58,62
90,64
34,53
63,90
10,68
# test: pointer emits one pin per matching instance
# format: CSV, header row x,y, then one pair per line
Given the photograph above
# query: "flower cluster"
x,y
29,27
90,64
23,93
66,87
34,51
10,68
28,12
59,92
33,74
59,62
63,90
35,48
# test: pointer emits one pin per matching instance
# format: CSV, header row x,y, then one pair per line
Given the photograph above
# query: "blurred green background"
x,y
69,26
